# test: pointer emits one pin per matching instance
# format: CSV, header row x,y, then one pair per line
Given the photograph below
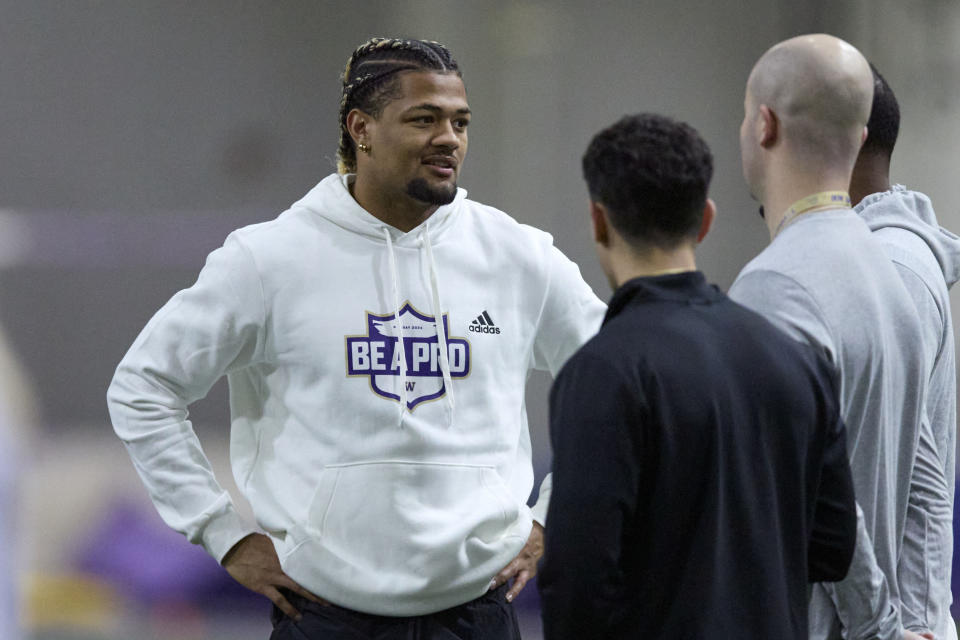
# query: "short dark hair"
x,y
884,124
652,174
370,81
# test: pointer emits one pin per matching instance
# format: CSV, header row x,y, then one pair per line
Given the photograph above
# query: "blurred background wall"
x,y
136,135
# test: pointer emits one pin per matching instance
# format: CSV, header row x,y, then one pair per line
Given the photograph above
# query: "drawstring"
x,y
438,320
399,324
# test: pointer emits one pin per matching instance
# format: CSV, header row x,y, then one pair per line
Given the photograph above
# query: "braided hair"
x,y
370,81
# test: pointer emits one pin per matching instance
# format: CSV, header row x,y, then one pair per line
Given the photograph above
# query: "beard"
x,y
419,189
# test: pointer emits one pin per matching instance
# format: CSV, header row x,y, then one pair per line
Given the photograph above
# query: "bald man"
x,y
825,281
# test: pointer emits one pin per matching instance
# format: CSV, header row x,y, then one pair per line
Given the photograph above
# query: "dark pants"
x,y
489,617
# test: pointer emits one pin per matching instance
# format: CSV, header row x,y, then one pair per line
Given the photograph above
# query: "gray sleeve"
x,y
922,570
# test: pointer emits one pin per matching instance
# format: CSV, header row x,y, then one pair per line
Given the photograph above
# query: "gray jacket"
x,y
928,260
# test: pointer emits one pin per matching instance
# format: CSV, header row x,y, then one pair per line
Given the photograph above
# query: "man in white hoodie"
x,y
377,337
927,257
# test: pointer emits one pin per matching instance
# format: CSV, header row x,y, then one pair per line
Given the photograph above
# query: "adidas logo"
x,y
483,323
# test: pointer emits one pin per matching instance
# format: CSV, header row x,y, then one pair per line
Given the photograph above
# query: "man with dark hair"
x,y
825,281
377,338
872,168
700,474
927,257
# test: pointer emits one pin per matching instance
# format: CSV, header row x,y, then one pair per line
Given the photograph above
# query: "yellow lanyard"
x,y
836,199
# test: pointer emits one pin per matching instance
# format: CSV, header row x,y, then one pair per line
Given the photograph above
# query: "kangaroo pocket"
x,y
396,529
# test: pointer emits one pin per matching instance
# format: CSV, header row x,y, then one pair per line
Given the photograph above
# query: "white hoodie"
x,y
391,482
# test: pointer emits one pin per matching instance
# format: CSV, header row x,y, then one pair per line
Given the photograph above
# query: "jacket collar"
x,y
690,287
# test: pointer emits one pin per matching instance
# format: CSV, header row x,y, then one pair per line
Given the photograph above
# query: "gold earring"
x,y
363,147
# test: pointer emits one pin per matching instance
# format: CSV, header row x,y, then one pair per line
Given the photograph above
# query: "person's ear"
x,y
709,213
769,125
358,126
599,223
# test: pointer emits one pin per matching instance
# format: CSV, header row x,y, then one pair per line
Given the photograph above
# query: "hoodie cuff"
x,y
223,531
543,501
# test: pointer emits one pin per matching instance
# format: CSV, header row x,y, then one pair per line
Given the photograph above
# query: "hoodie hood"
x,y
900,208
331,199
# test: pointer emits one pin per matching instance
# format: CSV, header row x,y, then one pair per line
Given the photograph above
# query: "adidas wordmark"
x,y
483,323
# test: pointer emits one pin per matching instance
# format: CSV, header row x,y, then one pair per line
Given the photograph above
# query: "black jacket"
x,y
700,474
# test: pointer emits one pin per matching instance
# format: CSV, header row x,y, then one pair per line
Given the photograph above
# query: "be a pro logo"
x,y
377,355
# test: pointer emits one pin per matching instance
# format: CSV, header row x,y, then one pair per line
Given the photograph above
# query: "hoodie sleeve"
x,y
571,315
928,531
921,572
202,333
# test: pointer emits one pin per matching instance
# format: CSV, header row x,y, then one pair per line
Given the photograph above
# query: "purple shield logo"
x,y
377,355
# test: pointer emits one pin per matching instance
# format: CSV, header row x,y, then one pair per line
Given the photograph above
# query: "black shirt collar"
x,y
688,286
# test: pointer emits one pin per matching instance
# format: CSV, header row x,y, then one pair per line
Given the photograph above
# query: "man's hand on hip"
x,y
524,566
253,562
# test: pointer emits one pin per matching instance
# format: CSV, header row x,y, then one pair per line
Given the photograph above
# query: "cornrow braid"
x,y
369,81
